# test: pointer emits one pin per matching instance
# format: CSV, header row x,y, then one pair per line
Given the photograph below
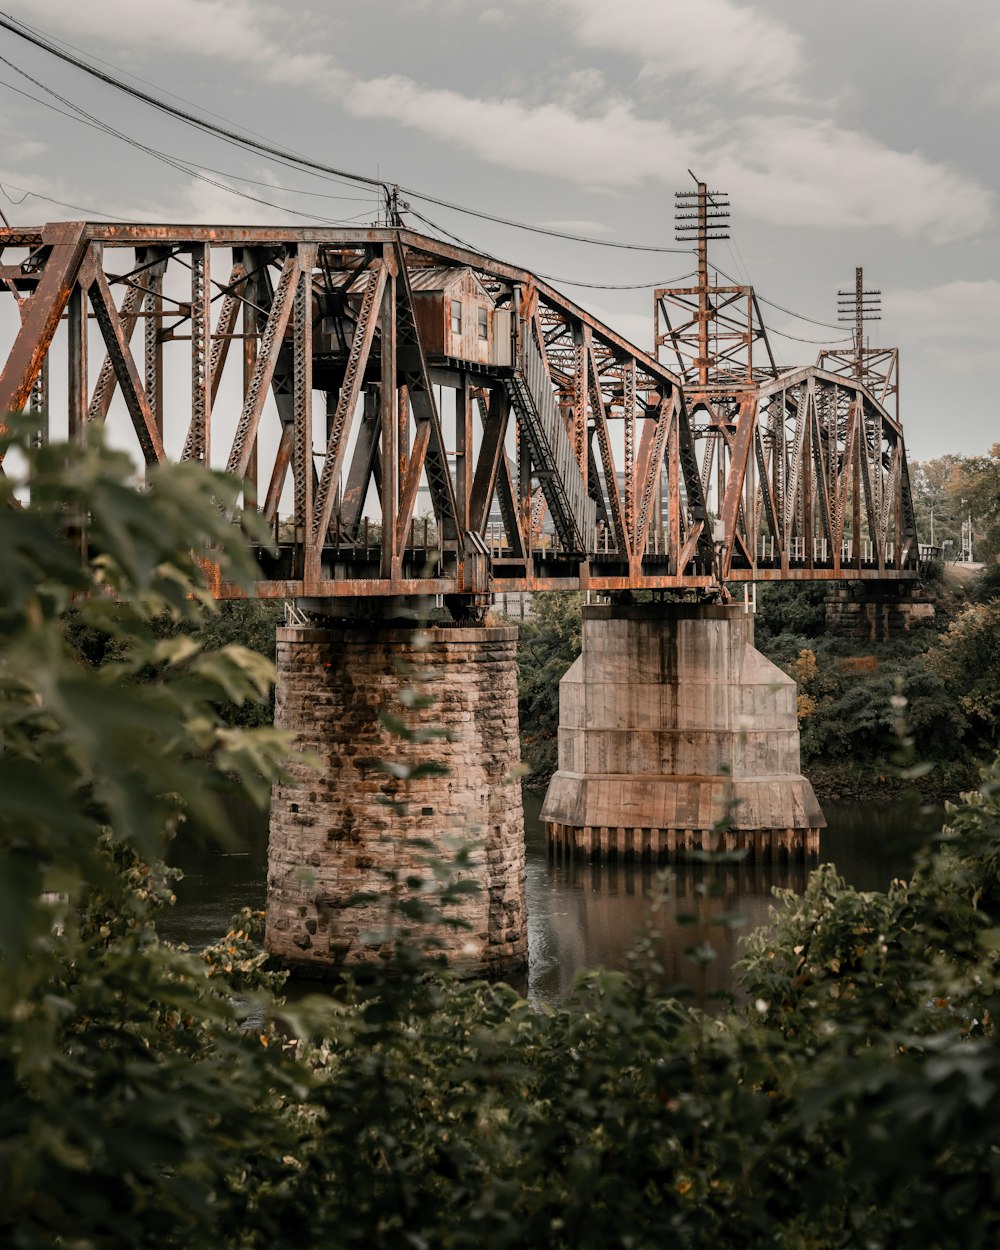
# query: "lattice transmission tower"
x,y
876,368
707,333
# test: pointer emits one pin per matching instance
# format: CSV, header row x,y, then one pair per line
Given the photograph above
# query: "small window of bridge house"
x,y
457,317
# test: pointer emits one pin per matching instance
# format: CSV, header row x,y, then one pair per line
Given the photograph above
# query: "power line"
x,y
77,208
780,307
818,342
100,126
618,286
126,73
547,277
97,123
244,141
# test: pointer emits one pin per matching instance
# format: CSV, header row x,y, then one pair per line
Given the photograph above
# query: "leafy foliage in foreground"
x,y
150,1097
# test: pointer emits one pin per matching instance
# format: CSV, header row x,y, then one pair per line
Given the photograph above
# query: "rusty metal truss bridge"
x,y
413,418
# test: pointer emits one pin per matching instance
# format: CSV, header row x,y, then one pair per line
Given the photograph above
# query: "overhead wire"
x,y
547,277
222,173
174,162
618,286
289,158
76,208
126,73
244,141
781,308
818,342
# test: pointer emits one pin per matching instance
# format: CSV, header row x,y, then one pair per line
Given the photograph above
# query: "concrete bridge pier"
x,y
345,826
676,734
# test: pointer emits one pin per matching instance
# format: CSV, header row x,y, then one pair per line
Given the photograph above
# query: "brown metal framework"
x,y
804,470
331,404
813,484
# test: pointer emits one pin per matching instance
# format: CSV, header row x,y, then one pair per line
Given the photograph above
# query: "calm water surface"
x,y
584,915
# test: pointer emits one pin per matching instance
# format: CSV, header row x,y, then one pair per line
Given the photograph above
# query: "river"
x,y
584,915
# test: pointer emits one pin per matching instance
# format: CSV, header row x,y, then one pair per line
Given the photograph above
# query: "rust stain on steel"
x,y
805,469
45,307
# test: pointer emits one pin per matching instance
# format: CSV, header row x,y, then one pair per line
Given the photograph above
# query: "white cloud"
x,y
615,147
956,319
252,32
576,226
716,42
25,149
785,170
789,171
973,81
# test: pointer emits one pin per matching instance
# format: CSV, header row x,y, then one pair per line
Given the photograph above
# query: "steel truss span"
x,y
808,474
413,418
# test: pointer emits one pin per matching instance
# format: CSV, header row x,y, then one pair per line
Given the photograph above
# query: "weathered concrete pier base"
x,y
335,836
676,734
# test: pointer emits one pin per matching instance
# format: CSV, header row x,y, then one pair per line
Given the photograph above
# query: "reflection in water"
x,y
583,915
216,883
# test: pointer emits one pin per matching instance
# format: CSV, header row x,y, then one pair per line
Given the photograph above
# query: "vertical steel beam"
x,y
463,451
389,413
302,398
38,405
628,402
674,488
249,325
198,445
77,361
152,333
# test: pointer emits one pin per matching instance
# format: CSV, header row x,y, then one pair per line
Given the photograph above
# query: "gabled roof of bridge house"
x,y
437,279
424,280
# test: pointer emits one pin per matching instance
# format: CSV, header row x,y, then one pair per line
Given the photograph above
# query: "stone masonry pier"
x,y
676,734
341,831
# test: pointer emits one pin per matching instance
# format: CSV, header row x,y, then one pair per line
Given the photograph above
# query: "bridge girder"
x,y
554,415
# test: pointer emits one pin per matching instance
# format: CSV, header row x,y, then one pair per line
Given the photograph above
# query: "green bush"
x,y
150,1097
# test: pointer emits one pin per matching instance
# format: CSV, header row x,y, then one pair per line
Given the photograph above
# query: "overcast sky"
x,y
861,133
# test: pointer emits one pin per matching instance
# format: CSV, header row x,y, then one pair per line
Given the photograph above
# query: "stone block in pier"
x,y
336,834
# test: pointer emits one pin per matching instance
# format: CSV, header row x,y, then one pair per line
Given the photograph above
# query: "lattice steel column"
x,y
198,444
628,400
38,405
153,343
302,465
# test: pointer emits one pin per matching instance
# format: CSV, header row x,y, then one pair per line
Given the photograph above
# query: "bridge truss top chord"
x,y
564,457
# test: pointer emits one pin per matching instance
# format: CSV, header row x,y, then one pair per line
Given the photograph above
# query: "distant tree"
x,y
790,608
935,502
978,483
550,640
967,659
953,488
